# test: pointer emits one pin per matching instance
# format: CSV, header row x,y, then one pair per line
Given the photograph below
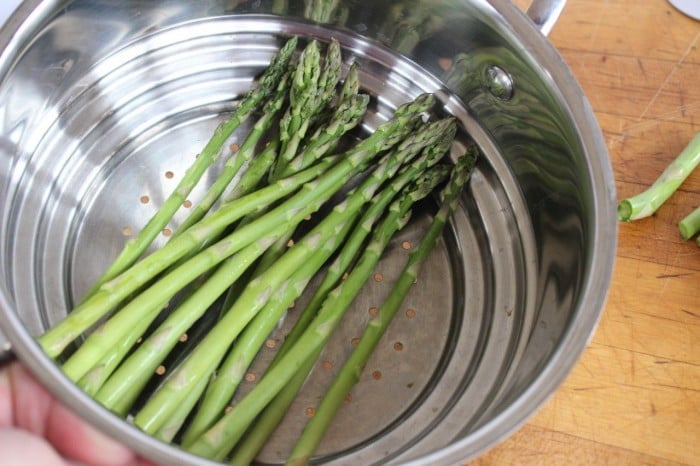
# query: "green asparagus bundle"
x,y
351,370
312,197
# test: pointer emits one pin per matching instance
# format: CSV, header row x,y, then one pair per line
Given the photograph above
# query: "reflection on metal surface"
x,y
105,97
499,82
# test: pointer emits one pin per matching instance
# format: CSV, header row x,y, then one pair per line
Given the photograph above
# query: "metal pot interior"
x,y
104,103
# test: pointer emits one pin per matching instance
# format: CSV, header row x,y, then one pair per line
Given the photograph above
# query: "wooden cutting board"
x,y
634,397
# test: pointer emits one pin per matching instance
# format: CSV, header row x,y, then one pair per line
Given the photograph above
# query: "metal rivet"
x,y
499,83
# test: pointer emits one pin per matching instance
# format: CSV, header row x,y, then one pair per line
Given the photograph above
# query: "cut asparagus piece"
x,y
647,202
689,226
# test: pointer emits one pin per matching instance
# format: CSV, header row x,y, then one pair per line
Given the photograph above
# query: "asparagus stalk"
x,y
326,138
194,336
689,226
350,88
122,389
178,418
93,380
347,116
647,202
351,85
218,441
243,155
111,293
273,413
247,346
329,78
256,171
258,292
136,246
353,161
349,374
321,11
290,213
431,155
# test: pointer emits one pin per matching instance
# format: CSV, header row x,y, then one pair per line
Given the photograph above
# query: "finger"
x,y
21,448
80,441
37,411
31,403
6,417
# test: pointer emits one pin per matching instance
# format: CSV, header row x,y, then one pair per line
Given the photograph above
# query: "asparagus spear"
x,y
220,439
647,202
258,292
256,171
305,85
326,138
178,418
273,413
232,370
307,99
138,245
111,293
351,85
689,226
91,382
349,374
243,155
247,346
321,11
194,336
345,118
431,155
124,386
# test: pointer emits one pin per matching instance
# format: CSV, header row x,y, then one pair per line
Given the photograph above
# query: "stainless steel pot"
x,y
99,98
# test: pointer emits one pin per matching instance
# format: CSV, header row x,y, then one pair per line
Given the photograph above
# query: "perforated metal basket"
x,y
103,105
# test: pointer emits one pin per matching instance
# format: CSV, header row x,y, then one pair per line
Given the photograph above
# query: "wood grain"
x,y
634,397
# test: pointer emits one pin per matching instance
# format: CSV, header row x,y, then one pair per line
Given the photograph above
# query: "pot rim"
x,y
603,234
590,305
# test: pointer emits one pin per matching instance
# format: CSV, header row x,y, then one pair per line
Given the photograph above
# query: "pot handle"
x,y
544,13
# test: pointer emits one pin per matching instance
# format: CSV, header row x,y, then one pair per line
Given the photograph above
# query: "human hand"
x,y
36,429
